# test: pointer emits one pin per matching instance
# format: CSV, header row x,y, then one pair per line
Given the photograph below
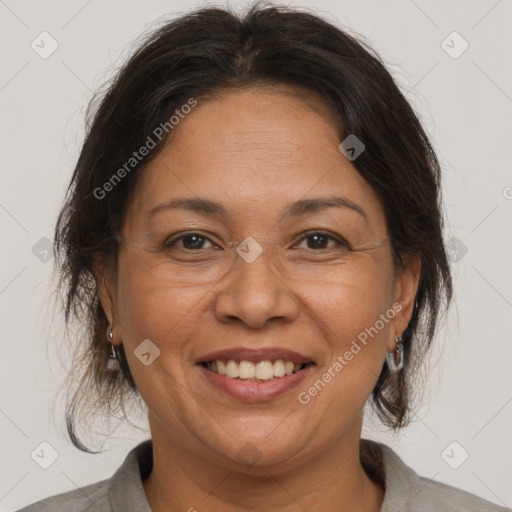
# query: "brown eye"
x,y
319,240
190,241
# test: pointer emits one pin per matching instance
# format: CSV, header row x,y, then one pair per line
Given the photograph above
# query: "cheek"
x,y
354,300
354,317
149,307
161,312
168,316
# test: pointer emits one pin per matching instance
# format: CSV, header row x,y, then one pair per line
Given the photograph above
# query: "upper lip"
x,y
255,355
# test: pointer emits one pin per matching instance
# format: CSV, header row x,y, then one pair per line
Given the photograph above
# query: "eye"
x,y
189,242
319,240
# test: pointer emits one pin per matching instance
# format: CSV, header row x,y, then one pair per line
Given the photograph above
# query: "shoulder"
x,y
123,492
408,492
85,499
442,497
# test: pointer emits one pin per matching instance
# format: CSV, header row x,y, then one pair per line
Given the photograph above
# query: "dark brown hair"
x,y
203,53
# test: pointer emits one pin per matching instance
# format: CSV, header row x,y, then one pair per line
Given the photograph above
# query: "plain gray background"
x,y
465,102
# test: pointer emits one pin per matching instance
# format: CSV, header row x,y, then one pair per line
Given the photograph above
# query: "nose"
x,y
254,294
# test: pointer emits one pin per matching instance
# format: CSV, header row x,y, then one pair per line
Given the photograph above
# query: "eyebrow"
x,y
293,210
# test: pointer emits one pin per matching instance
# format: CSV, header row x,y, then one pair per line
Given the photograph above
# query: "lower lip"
x,y
255,391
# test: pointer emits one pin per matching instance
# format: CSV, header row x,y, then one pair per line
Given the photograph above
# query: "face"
x,y
322,280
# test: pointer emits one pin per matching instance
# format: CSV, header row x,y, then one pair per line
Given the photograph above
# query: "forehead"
x,y
252,130
255,147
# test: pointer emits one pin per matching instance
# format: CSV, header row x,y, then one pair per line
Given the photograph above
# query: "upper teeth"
x,y
263,370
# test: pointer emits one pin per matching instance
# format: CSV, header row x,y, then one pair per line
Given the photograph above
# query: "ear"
x,y
406,286
104,277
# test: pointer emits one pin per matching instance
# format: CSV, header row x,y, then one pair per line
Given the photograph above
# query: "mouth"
x,y
264,370
254,375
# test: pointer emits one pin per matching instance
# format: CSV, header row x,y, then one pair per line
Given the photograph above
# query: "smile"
x,y
254,382
260,371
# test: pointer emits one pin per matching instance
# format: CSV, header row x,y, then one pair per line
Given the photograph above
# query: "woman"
x,y
253,238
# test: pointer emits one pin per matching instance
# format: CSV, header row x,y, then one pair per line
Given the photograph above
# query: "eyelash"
x,y
170,243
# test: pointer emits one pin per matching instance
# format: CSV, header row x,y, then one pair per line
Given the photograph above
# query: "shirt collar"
x,y
381,462
126,491
401,482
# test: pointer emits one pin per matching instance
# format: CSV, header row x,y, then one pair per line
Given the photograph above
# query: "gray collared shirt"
x,y
405,490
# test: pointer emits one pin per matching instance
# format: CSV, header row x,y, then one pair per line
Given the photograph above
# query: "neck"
x,y
333,479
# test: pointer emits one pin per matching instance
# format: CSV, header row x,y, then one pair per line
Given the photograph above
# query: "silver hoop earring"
x,y
395,359
113,361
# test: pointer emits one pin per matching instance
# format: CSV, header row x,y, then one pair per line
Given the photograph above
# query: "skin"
x,y
254,151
